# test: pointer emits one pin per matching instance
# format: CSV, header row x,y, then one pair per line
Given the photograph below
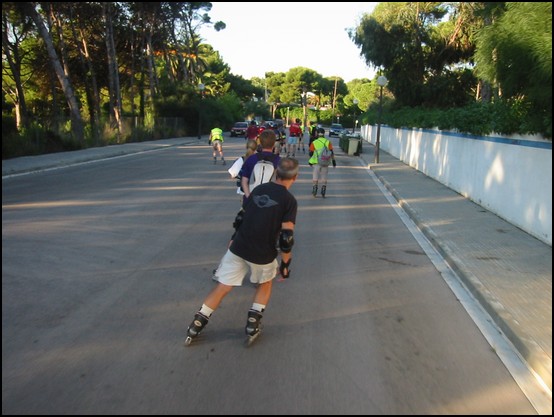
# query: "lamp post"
x,y
304,108
201,88
355,102
381,82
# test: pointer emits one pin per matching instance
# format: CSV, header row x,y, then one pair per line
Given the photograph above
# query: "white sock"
x,y
207,311
258,307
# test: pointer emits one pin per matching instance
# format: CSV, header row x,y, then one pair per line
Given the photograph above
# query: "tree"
x,y
114,90
63,78
419,46
15,30
365,91
82,25
514,54
194,15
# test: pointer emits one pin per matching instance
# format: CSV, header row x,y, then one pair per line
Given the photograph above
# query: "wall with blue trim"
x,y
509,176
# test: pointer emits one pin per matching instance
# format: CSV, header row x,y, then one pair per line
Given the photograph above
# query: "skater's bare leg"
x,y
263,293
215,297
255,314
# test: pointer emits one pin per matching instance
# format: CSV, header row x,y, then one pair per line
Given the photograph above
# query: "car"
x,y
239,129
336,129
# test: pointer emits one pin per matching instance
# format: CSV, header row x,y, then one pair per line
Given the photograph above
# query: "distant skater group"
x,y
264,226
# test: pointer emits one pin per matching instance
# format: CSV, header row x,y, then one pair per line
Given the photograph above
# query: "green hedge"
x,y
502,117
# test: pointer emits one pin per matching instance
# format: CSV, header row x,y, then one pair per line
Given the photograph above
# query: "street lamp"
x,y
201,88
381,82
355,102
304,107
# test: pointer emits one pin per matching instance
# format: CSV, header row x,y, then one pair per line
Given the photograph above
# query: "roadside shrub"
x,y
502,117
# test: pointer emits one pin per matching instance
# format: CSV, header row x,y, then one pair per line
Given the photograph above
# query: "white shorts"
x,y
319,173
232,269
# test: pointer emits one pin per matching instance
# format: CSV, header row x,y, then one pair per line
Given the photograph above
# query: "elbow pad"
x,y
286,240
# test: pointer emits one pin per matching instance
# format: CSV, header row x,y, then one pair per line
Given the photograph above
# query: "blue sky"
x,y
283,35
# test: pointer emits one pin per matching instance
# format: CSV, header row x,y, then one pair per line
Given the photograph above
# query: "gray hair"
x,y
287,168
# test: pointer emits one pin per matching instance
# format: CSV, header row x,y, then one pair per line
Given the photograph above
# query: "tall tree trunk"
x,y
150,62
13,34
88,73
76,120
132,76
17,94
113,73
95,96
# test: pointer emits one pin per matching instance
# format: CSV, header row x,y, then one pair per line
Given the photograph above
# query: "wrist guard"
x,y
284,268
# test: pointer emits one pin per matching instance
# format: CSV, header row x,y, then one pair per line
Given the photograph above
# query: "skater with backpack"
x,y
259,168
269,216
321,156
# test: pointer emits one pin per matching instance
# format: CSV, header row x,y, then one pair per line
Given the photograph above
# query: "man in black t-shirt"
x,y
268,216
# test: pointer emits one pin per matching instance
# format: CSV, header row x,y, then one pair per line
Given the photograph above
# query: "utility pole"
x,y
334,97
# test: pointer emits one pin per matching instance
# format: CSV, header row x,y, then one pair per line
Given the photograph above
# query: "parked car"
x,y
336,129
239,129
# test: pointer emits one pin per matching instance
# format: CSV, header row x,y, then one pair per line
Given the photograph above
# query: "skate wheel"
x,y
188,340
250,339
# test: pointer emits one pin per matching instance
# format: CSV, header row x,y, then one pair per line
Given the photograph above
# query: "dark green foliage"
x,y
449,89
501,117
33,140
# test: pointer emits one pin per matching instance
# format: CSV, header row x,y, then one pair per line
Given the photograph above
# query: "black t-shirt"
x,y
268,206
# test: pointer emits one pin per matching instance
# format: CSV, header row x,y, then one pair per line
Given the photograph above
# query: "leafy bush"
x,y
502,117
35,140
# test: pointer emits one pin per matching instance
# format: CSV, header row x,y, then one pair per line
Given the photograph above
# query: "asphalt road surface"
x,y
104,264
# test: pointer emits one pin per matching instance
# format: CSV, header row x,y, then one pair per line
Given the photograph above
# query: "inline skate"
x,y
253,326
195,327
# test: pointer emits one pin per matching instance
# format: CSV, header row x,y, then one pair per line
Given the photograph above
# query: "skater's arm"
x,y
284,267
286,241
245,186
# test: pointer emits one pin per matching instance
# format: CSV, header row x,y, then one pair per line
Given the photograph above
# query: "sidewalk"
x,y
27,164
506,269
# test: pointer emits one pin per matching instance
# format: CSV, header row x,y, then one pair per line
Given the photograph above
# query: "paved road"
x,y
405,185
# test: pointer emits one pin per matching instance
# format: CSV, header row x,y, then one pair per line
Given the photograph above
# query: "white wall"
x,y
511,177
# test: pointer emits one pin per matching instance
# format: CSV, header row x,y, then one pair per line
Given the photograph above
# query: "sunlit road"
x,y
104,265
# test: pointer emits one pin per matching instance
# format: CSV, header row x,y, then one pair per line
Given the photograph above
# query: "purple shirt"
x,y
248,166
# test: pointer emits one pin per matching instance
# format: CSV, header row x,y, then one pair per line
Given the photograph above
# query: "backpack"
x,y
263,171
324,155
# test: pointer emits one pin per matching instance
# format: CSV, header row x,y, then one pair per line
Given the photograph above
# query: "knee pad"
x,y
286,240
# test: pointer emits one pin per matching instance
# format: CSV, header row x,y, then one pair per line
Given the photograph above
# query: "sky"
x,y
265,37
